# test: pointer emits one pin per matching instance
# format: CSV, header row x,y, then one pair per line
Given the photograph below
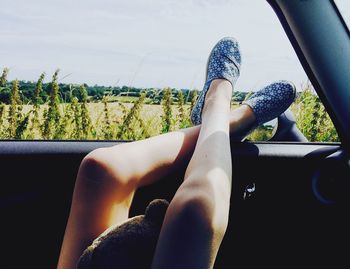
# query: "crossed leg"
x,y
108,178
197,216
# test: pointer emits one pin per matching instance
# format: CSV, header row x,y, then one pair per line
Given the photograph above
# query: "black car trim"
x,y
260,149
298,19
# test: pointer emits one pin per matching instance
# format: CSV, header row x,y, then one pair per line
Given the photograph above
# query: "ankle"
x,y
218,98
219,88
242,119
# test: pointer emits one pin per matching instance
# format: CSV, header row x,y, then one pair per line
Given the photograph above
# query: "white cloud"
x,y
147,43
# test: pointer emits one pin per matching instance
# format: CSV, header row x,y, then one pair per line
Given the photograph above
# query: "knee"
x,y
105,164
103,172
94,164
199,208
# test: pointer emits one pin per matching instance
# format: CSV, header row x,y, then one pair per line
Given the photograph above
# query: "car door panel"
x,y
273,205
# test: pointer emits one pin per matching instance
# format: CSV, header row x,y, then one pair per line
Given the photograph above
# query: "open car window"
x,y
130,70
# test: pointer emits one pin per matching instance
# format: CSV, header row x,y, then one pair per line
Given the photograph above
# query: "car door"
x,y
289,199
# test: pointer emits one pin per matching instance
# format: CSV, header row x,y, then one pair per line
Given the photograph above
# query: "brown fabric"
x,y
129,245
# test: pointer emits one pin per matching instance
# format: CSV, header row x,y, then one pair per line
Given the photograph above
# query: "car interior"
x,y
290,197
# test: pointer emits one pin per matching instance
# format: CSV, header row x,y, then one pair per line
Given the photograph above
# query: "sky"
x,y
142,43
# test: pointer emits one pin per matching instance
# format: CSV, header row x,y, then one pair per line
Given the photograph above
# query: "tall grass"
x,y
34,123
138,119
312,118
168,114
52,115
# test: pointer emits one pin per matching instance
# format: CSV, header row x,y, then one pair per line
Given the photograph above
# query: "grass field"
x,y
124,117
151,115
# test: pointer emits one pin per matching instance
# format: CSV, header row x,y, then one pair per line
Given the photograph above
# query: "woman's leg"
x,y
197,217
108,178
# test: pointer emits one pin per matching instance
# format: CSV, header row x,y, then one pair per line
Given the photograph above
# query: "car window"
x,y
344,8
132,69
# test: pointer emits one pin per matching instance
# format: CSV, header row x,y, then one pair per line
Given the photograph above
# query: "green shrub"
x,y
312,118
14,111
133,126
167,120
53,115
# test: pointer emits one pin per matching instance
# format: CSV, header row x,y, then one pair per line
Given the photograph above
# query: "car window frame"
x,y
290,14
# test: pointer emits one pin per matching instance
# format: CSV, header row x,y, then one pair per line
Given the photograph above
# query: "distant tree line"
x,y
27,92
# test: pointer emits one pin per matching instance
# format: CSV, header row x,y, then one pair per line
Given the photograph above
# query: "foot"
x,y
271,101
263,106
224,63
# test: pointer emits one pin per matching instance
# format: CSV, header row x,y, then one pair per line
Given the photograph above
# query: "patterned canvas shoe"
x,y
271,101
224,62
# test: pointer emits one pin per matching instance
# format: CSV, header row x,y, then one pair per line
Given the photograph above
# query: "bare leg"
x,y
108,178
197,217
